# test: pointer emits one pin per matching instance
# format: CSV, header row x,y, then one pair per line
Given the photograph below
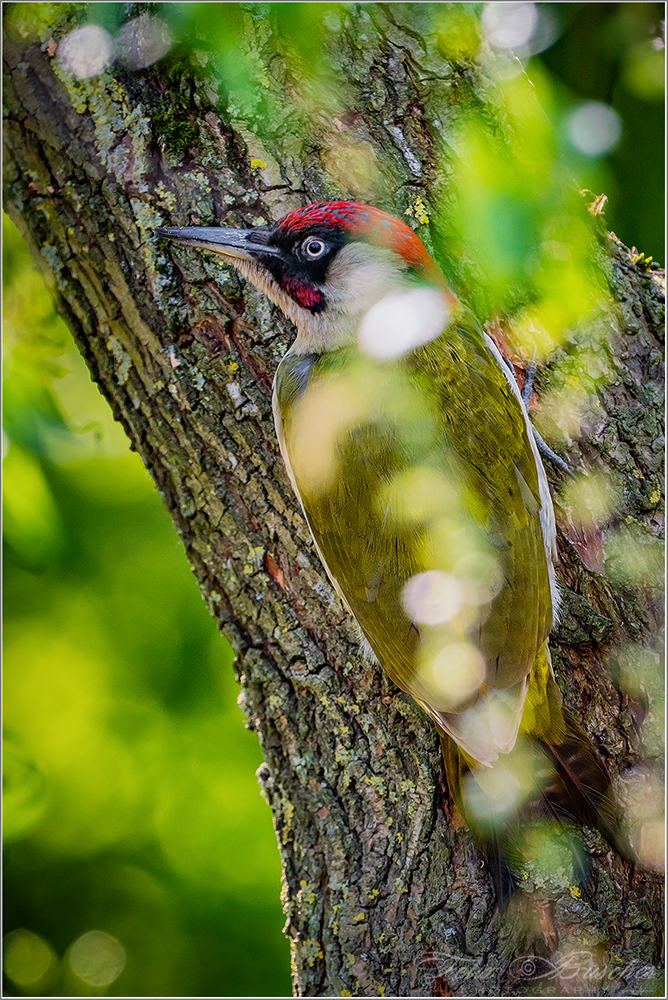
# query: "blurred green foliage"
x,y
614,52
131,805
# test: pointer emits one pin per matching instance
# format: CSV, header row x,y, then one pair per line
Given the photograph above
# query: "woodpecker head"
x,y
326,266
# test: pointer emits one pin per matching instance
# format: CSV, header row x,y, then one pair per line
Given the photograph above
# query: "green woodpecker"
x,y
411,452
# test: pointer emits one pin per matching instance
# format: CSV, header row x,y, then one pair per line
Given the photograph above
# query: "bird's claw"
x,y
545,450
529,376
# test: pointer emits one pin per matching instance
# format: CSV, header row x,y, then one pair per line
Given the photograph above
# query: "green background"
x,y
131,800
130,792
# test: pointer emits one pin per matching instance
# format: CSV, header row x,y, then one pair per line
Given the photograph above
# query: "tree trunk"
x,y
383,889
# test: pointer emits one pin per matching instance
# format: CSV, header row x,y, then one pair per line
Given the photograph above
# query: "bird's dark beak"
x,y
246,244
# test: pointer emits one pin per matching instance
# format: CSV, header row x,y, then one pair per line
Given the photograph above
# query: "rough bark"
x,y
383,890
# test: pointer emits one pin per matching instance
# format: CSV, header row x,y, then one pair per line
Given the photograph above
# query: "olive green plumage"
x,y
466,423
460,417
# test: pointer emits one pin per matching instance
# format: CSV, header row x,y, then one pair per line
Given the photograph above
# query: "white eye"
x,y
313,247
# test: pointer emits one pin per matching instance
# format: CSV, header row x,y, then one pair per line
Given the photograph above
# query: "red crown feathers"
x,y
375,226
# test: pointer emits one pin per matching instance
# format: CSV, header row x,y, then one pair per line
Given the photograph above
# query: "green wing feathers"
x,y
461,420
462,423
543,716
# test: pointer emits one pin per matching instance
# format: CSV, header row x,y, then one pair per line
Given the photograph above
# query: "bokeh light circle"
x,y
86,51
142,41
595,128
97,958
509,25
433,597
27,958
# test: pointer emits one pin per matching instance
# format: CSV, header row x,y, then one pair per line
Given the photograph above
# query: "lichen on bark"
x,y
383,889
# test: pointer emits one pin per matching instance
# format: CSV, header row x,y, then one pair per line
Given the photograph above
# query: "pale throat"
x,y
358,278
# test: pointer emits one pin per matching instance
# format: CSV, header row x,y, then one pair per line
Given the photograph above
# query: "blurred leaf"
x,y
29,961
31,522
25,798
633,555
645,71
